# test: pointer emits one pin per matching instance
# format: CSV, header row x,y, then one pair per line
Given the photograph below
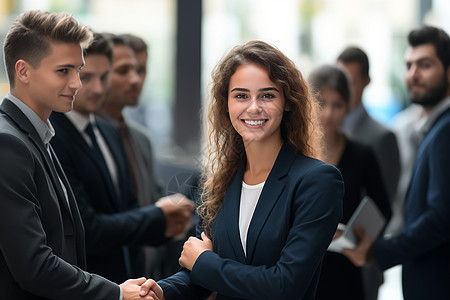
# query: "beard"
x,y
432,95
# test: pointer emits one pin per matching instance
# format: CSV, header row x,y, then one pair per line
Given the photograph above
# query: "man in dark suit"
x,y
93,157
423,246
42,254
130,50
361,127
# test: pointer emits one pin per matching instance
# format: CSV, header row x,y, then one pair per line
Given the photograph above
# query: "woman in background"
x,y
269,209
339,278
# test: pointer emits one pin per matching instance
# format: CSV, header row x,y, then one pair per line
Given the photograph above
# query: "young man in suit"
x,y
93,156
162,261
42,247
361,127
423,246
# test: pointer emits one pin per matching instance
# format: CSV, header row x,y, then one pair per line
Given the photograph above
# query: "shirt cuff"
x,y
121,294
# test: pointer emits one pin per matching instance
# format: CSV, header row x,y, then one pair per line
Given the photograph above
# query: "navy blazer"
x,y
115,225
41,233
292,226
423,246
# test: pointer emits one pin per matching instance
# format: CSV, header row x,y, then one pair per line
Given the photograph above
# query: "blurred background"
x,y
188,37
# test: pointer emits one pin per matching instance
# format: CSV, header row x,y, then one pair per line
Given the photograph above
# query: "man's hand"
x,y
178,211
134,289
192,249
151,286
358,256
339,231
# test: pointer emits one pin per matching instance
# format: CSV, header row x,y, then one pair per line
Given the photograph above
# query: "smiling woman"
x,y
256,108
269,210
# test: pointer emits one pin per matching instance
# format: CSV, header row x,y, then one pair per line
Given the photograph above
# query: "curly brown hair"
x,y
225,149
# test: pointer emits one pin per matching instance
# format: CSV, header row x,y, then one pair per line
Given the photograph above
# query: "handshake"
x,y
149,289
178,212
141,288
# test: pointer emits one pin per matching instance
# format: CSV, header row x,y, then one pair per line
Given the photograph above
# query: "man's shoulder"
x,y
441,128
139,134
8,127
371,132
375,127
138,129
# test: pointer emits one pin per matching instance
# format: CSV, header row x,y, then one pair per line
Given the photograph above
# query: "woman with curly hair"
x,y
339,278
269,210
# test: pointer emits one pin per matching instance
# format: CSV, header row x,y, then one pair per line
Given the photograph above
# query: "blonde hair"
x,y
31,33
225,148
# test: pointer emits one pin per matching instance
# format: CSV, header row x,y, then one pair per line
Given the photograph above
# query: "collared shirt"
x,y
428,120
45,130
81,122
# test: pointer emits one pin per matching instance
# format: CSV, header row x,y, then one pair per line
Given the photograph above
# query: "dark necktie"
x,y
100,158
98,154
94,144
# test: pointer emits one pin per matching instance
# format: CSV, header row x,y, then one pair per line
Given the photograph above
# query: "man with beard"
x,y
423,246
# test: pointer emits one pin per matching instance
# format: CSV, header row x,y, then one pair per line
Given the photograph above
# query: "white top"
x,y
249,198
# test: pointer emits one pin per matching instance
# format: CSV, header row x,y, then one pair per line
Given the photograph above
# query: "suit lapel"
x,y
270,194
231,214
118,153
25,125
75,213
61,120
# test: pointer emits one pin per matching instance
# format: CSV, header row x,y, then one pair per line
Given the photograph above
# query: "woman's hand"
x,y
192,249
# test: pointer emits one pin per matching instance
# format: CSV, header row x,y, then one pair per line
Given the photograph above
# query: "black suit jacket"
x,y
41,234
115,225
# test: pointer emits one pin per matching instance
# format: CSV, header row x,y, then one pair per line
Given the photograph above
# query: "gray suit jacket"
x,y
143,146
368,131
41,234
162,261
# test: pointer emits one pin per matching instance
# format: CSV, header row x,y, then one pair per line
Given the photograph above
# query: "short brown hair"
x,y
435,36
31,33
354,54
101,44
136,43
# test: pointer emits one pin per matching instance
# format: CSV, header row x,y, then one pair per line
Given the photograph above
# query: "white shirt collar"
x,y
80,121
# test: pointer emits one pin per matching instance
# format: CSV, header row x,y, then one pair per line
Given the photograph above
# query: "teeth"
x,y
254,122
